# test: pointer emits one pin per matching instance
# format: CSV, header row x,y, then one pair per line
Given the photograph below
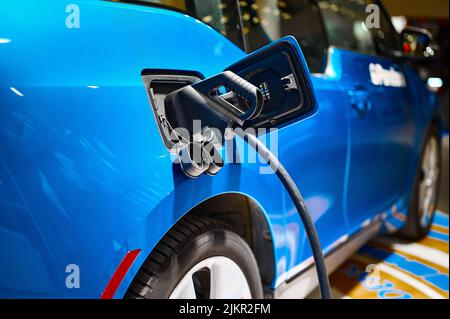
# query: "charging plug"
x,y
219,102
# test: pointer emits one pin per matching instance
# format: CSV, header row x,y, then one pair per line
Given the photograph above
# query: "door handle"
x,y
360,99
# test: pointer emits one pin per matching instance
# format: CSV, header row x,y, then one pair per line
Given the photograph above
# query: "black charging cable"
x,y
205,104
299,202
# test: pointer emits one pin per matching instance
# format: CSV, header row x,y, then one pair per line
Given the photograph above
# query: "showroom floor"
x,y
400,269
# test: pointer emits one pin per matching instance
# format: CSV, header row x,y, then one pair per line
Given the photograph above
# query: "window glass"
x,y
345,24
220,14
269,20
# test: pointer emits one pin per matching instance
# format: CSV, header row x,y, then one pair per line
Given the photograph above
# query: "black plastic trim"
x,y
150,76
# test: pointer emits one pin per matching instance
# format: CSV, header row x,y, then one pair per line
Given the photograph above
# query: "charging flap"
x,y
280,72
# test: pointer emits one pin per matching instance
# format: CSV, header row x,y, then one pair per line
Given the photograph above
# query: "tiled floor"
x,y
389,268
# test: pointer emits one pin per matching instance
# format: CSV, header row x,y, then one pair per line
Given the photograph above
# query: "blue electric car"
x,y
92,201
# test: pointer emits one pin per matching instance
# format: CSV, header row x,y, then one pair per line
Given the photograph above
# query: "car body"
x,y
85,178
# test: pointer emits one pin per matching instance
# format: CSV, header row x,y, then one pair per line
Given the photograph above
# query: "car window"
x,y
345,24
268,20
222,15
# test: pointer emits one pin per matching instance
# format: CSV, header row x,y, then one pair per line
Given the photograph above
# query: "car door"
x,y
312,150
380,121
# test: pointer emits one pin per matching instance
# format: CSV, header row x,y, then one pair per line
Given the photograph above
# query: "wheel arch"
x,y
244,213
247,217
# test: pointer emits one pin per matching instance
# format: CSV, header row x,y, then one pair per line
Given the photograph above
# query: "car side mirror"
x,y
418,43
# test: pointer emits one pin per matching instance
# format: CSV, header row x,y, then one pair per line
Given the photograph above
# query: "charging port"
x,y
160,83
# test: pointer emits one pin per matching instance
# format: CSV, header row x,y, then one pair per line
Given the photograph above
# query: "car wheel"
x,y
424,198
199,259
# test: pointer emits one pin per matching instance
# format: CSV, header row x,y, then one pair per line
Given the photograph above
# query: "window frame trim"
x,y
391,26
327,41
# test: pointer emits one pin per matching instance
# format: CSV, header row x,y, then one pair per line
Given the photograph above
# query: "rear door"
x,y
380,122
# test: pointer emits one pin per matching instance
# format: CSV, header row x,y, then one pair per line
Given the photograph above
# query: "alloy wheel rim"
x,y
213,278
428,184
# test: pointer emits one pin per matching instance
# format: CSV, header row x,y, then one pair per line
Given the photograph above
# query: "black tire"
x,y
413,229
189,242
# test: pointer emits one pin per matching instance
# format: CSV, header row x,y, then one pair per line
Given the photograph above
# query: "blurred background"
x,y
433,16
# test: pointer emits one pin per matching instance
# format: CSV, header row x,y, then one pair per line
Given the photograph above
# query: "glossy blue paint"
x,y
85,177
381,137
